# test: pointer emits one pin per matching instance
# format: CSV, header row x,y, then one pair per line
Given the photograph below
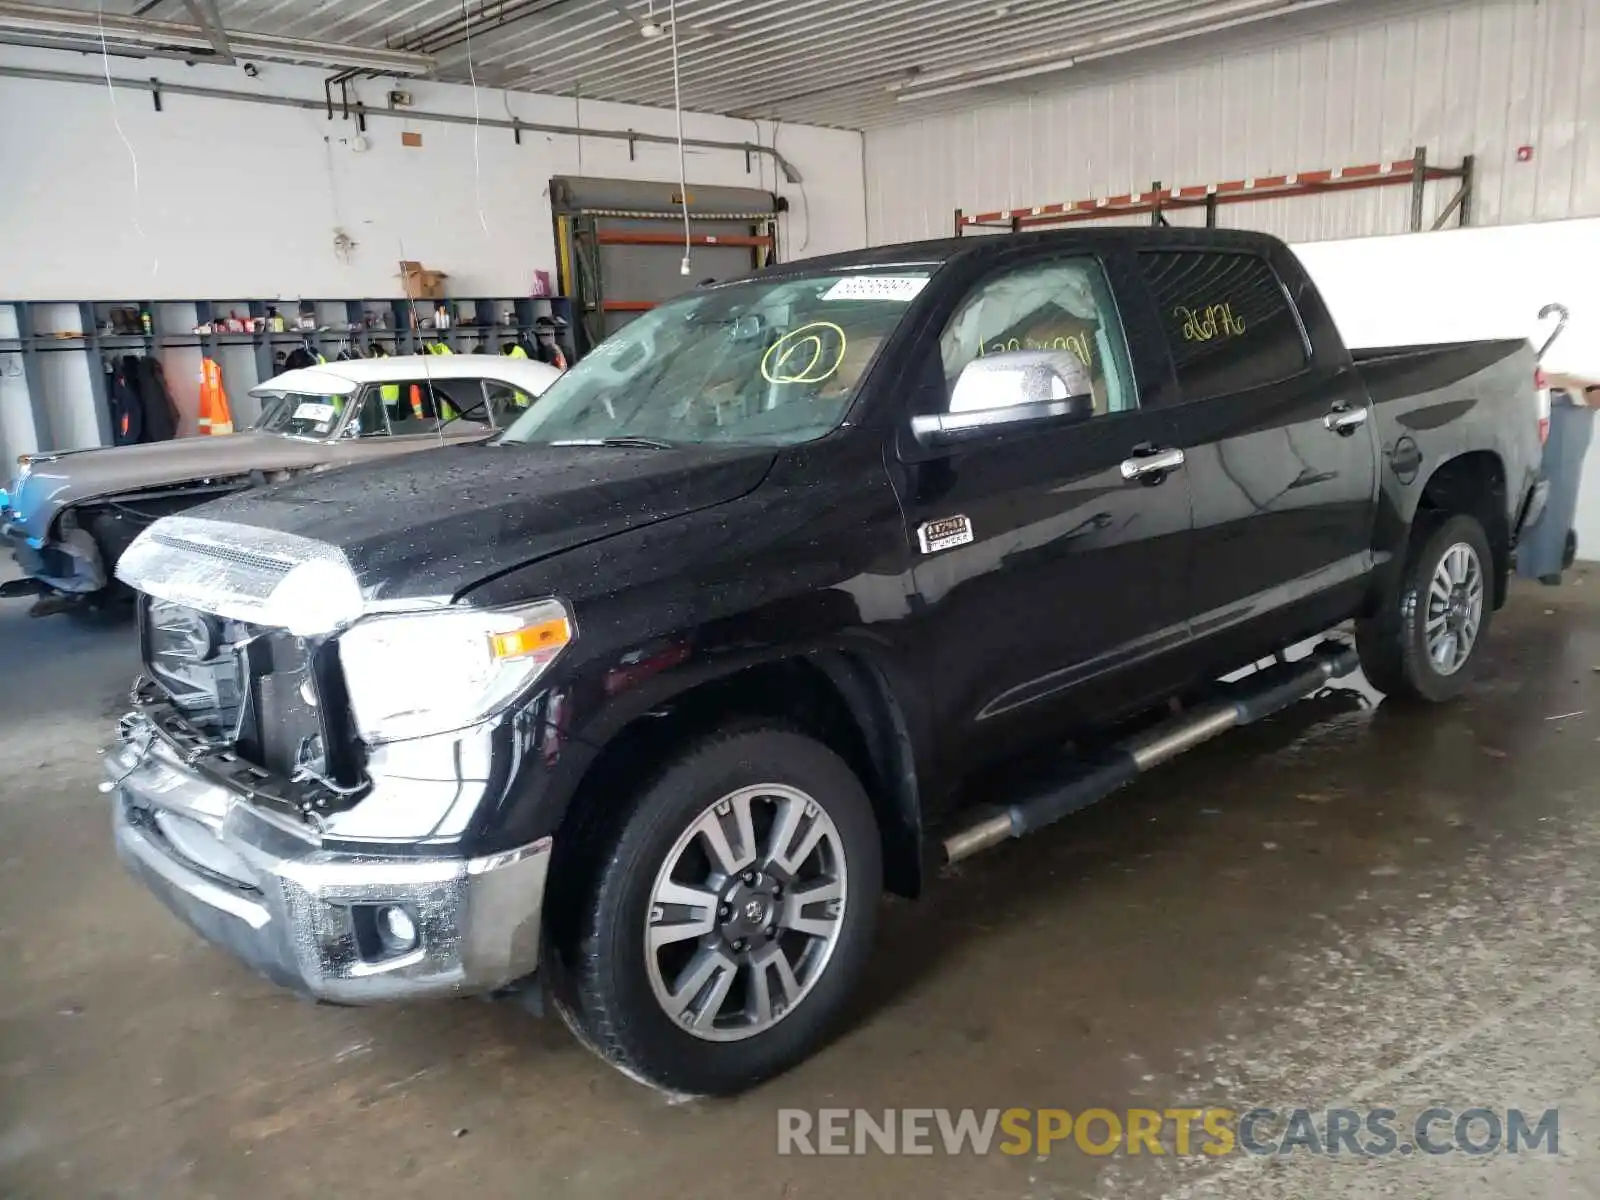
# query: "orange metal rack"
x,y
1160,198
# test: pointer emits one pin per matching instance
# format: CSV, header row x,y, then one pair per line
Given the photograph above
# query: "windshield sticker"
x,y
877,287
1211,322
809,354
313,410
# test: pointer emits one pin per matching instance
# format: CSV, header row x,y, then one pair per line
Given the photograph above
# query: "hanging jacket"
x,y
215,416
519,398
155,401
303,356
122,393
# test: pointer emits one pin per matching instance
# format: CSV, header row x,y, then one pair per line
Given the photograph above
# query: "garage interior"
x,y
1351,904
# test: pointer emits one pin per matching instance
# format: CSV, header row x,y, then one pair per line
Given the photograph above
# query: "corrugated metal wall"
x,y
1477,78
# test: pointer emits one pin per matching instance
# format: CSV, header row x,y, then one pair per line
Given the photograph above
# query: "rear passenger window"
x,y
1228,320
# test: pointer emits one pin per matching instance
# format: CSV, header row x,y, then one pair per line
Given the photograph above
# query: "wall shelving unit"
x,y
41,328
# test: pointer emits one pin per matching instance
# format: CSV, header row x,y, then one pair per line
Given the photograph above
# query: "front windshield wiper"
x,y
621,439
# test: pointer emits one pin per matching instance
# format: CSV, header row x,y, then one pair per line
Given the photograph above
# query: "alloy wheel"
x,y
1455,608
745,912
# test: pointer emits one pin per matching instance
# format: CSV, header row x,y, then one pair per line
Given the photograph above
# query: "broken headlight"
x,y
415,674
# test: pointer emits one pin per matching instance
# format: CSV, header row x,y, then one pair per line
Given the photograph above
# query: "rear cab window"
x,y
1228,319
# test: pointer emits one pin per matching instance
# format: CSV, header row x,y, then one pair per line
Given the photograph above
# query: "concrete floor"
x,y
1344,907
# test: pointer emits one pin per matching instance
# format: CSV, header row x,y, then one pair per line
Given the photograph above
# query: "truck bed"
x,y
1409,372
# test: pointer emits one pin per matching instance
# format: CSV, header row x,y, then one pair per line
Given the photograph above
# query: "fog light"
x,y
397,928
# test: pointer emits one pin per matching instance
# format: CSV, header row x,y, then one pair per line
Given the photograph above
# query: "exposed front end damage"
x,y
67,552
243,798
349,927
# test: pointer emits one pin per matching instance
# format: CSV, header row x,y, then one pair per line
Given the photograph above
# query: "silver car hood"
x,y
53,482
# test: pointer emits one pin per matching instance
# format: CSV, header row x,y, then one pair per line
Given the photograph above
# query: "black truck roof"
x,y
942,250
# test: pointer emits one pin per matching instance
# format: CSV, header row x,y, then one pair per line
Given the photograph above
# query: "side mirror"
x,y
1001,392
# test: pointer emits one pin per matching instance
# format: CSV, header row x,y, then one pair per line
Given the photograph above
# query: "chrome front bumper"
x,y
306,917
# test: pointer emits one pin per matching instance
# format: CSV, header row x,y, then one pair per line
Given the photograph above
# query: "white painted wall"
x,y
242,199
1475,283
1478,77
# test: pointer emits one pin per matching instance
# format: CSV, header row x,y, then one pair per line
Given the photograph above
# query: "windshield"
x,y
300,414
772,362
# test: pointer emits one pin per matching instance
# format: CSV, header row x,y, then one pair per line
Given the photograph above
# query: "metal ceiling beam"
x,y
206,16
33,20
885,56
79,46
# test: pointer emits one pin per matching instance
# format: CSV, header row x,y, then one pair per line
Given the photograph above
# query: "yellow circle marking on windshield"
x,y
777,364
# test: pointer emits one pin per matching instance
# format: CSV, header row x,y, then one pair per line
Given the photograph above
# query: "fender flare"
x,y
863,686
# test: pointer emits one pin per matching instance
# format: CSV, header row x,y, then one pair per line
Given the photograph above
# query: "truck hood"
x,y
56,480
432,526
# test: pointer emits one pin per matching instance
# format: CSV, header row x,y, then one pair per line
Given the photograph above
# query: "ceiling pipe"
x,y
206,16
112,49
94,29
790,172
1205,21
453,30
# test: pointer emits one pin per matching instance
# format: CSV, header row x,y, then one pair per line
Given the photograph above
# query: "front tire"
x,y
728,914
1424,645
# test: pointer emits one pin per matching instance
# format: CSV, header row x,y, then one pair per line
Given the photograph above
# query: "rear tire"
x,y
673,992
1424,644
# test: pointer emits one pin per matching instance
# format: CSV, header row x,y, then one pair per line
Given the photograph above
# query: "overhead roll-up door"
x,y
620,244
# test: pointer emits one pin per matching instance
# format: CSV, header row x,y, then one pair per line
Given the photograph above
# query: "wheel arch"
x,y
839,697
1473,483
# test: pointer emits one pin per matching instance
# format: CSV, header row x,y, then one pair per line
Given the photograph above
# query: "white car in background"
x,y
69,514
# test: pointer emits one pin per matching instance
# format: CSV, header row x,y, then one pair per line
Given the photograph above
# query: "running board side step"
x,y
1256,696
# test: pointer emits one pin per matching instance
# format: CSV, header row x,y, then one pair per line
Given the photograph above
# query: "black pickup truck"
x,y
659,690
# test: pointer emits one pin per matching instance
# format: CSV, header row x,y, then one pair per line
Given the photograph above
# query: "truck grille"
x,y
245,688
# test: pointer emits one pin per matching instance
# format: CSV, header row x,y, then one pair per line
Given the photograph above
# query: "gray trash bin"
x,y
1544,549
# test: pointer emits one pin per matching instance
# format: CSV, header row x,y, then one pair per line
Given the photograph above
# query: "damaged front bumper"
x,y
352,928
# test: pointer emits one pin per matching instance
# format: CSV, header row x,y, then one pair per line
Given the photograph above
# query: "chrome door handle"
x,y
1345,420
1146,465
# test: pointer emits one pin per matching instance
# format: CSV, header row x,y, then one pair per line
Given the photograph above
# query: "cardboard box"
x,y
419,283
